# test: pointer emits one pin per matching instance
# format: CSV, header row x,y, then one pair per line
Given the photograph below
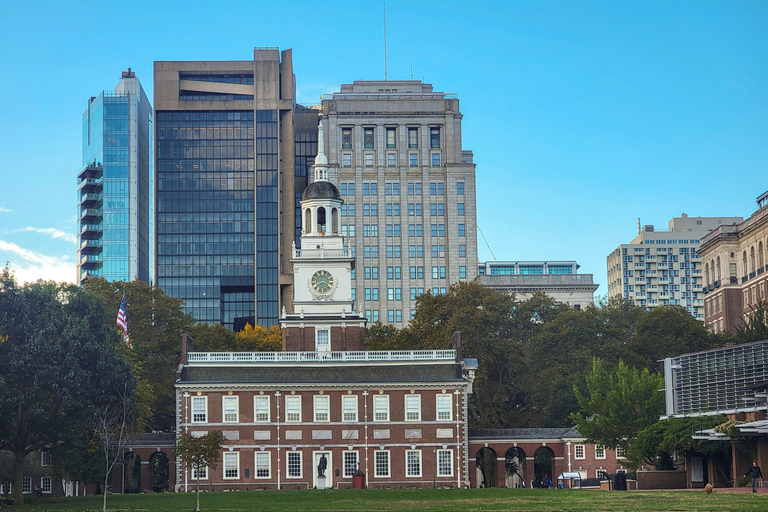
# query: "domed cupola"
x,y
321,201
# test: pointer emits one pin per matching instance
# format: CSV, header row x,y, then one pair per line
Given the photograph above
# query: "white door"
x,y
328,472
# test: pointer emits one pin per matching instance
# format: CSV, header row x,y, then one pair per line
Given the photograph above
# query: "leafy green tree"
x,y
57,362
381,337
212,338
197,453
754,325
618,404
156,322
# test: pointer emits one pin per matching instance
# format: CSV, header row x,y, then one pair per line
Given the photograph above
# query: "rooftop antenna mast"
x,y
385,41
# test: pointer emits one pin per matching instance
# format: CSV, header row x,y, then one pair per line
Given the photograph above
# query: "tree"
x,y
259,339
754,325
57,359
156,322
198,453
212,338
618,405
381,337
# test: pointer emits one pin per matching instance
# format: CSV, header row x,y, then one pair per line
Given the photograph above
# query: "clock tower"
x,y
323,315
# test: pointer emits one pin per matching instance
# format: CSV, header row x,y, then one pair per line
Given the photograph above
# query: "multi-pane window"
x,y
346,160
438,251
460,208
231,462
393,209
599,451
381,463
322,340
372,315
444,407
200,473
462,272
601,474
45,459
462,251
434,138
435,159
347,189
437,209
579,452
620,453
380,407
260,409
460,188
413,138
45,485
391,160
371,272
393,229
444,462
230,409
294,464
412,463
199,409
436,189
416,292
391,138
349,408
392,189
322,408
372,293
262,465
368,138
414,189
370,189
394,294
438,272
462,230
412,407
414,209
394,273
413,159
26,485
346,138
293,408
351,461
438,229
369,159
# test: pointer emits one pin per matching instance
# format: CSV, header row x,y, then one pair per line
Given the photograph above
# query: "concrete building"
x,y
116,185
663,267
232,154
558,279
735,269
395,151
323,409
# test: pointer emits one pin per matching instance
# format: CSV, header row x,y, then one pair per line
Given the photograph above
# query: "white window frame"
x,y
417,455
449,459
258,410
382,406
388,458
445,398
604,474
325,334
46,484
579,448
45,458
620,452
291,408
228,408
412,407
345,467
200,400
262,455
199,474
289,455
599,452
26,485
349,408
3,489
225,467
320,402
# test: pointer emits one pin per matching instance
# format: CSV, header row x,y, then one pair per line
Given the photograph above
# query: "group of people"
x,y
544,483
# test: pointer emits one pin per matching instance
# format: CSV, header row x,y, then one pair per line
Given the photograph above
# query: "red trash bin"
x,y
358,481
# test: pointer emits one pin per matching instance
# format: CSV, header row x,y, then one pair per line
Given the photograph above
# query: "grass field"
x,y
416,500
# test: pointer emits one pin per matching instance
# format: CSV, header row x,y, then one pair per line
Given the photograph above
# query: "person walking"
x,y
757,475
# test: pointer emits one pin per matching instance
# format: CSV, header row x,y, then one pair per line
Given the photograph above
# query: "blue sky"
x,y
583,115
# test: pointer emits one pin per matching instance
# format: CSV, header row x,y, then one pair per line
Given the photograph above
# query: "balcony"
x,y
91,171
91,246
90,231
90,261
90,215
90,185
90,200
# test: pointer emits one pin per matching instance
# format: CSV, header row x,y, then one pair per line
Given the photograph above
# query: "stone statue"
x,y
321,466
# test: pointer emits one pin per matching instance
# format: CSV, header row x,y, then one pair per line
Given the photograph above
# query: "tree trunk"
x,y
106,480
18,474
198,491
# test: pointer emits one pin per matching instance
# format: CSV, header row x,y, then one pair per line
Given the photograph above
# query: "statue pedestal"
x,y
321,482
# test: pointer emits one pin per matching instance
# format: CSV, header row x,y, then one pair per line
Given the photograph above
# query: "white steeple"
x,y
321,161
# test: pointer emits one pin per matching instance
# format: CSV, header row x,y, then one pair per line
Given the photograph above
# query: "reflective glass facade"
x,y
115,185
205,221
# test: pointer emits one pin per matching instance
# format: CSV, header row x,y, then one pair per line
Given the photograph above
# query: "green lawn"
x,y
416,500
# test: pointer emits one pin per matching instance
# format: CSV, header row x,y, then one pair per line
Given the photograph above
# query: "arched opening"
x,y
308,220
321,220
543,463
744,262
752,259
485,462
159,464
706,273
760,255
514,467
718,269
132,472
335,224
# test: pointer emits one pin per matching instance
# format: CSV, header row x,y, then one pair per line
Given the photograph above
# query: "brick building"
x,y
323,408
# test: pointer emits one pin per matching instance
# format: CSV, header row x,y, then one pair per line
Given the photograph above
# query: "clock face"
x,y
322,281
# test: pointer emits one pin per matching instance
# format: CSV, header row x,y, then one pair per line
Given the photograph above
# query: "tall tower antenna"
x,y
385,41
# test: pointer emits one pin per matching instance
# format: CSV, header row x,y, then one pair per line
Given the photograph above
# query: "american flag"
x,y
122,322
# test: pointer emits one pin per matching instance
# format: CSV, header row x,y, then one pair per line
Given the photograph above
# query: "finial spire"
x,y
321,161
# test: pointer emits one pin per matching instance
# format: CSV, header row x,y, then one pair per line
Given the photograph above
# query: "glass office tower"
x,y
116,185
226,159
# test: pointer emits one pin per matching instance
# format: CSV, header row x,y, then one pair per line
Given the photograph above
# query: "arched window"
x,y
752,259
706,273
744,262
321,220
718,269
335,223
760,255
308,220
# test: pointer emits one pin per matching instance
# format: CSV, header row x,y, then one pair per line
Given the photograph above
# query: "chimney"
x,y
456,343
186,347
